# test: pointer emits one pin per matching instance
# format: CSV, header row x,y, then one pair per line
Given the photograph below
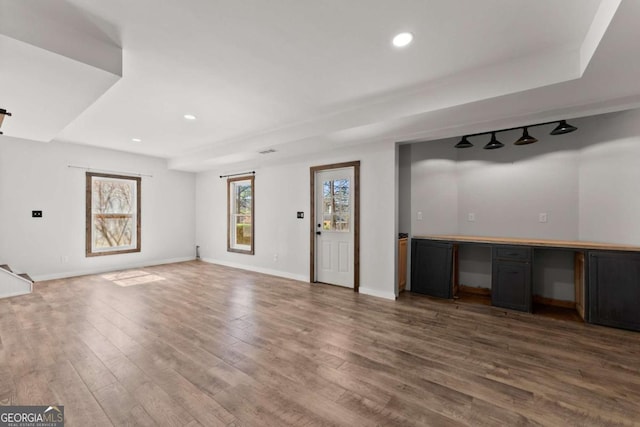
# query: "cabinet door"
x,y
511,285
614,289
431,268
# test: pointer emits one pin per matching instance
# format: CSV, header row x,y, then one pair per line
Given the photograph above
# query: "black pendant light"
x,y
526,138
464,143
3,113
562,128
494,143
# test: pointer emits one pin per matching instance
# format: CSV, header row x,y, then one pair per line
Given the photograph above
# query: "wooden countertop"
x,y
545,243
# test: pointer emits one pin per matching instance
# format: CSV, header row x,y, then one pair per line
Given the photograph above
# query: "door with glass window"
x,y
334,242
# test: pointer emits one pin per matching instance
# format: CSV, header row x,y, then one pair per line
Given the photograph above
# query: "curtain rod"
x,y
108,171
238,174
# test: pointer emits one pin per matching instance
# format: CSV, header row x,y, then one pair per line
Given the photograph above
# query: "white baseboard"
x,y
377,293
278,273
269,271
66,274
299,277
15,294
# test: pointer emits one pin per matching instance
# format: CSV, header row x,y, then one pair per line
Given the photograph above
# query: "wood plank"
x,y
121,407
486,292
211,345
543,243
539,299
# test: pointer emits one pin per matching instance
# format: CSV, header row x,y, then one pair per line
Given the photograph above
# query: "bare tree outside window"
x,y
113,214
336,205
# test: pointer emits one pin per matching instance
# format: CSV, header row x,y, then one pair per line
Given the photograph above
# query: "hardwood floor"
x,y
198,344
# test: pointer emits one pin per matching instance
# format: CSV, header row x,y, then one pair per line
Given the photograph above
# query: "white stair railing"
x,y
13,284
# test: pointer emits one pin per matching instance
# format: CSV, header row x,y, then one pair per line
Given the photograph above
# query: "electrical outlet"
x,y
64,259
471,217
36,214
542,217
275,257
419,218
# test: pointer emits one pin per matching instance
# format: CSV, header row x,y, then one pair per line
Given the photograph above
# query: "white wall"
x,y
35,176
404,188
281,191
404,200
508,188
610,178
434,189
586,182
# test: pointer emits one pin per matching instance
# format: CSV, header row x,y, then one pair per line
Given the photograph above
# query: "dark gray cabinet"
x,y
607,277
432,268
511,277
614,289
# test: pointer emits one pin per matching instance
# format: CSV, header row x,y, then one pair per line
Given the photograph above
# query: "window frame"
x,y
89,250
230,181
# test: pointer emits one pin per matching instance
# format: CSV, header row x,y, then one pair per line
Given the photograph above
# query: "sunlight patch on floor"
x,y
132,278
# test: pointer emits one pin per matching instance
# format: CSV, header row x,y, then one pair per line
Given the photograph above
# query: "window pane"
x,y
112,213
111,231
243,198
336,208
327,222
240,232
341,222
243,230
112,196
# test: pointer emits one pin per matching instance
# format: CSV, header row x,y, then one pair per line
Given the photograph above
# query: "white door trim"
x,y
356,220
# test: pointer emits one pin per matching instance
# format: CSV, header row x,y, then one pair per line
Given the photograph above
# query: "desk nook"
x,y
606,276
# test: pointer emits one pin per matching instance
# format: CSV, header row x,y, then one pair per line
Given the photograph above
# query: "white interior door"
x,y
334,226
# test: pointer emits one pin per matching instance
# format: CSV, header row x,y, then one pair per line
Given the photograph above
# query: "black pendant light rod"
x,y
513,128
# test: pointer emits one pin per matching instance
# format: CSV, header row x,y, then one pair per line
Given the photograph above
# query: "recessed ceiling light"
x,y
402,39
189,117
136,139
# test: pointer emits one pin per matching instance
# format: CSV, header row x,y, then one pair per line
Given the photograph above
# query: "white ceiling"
x,y
303,77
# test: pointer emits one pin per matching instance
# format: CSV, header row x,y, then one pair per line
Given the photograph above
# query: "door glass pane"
x,y
336,208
